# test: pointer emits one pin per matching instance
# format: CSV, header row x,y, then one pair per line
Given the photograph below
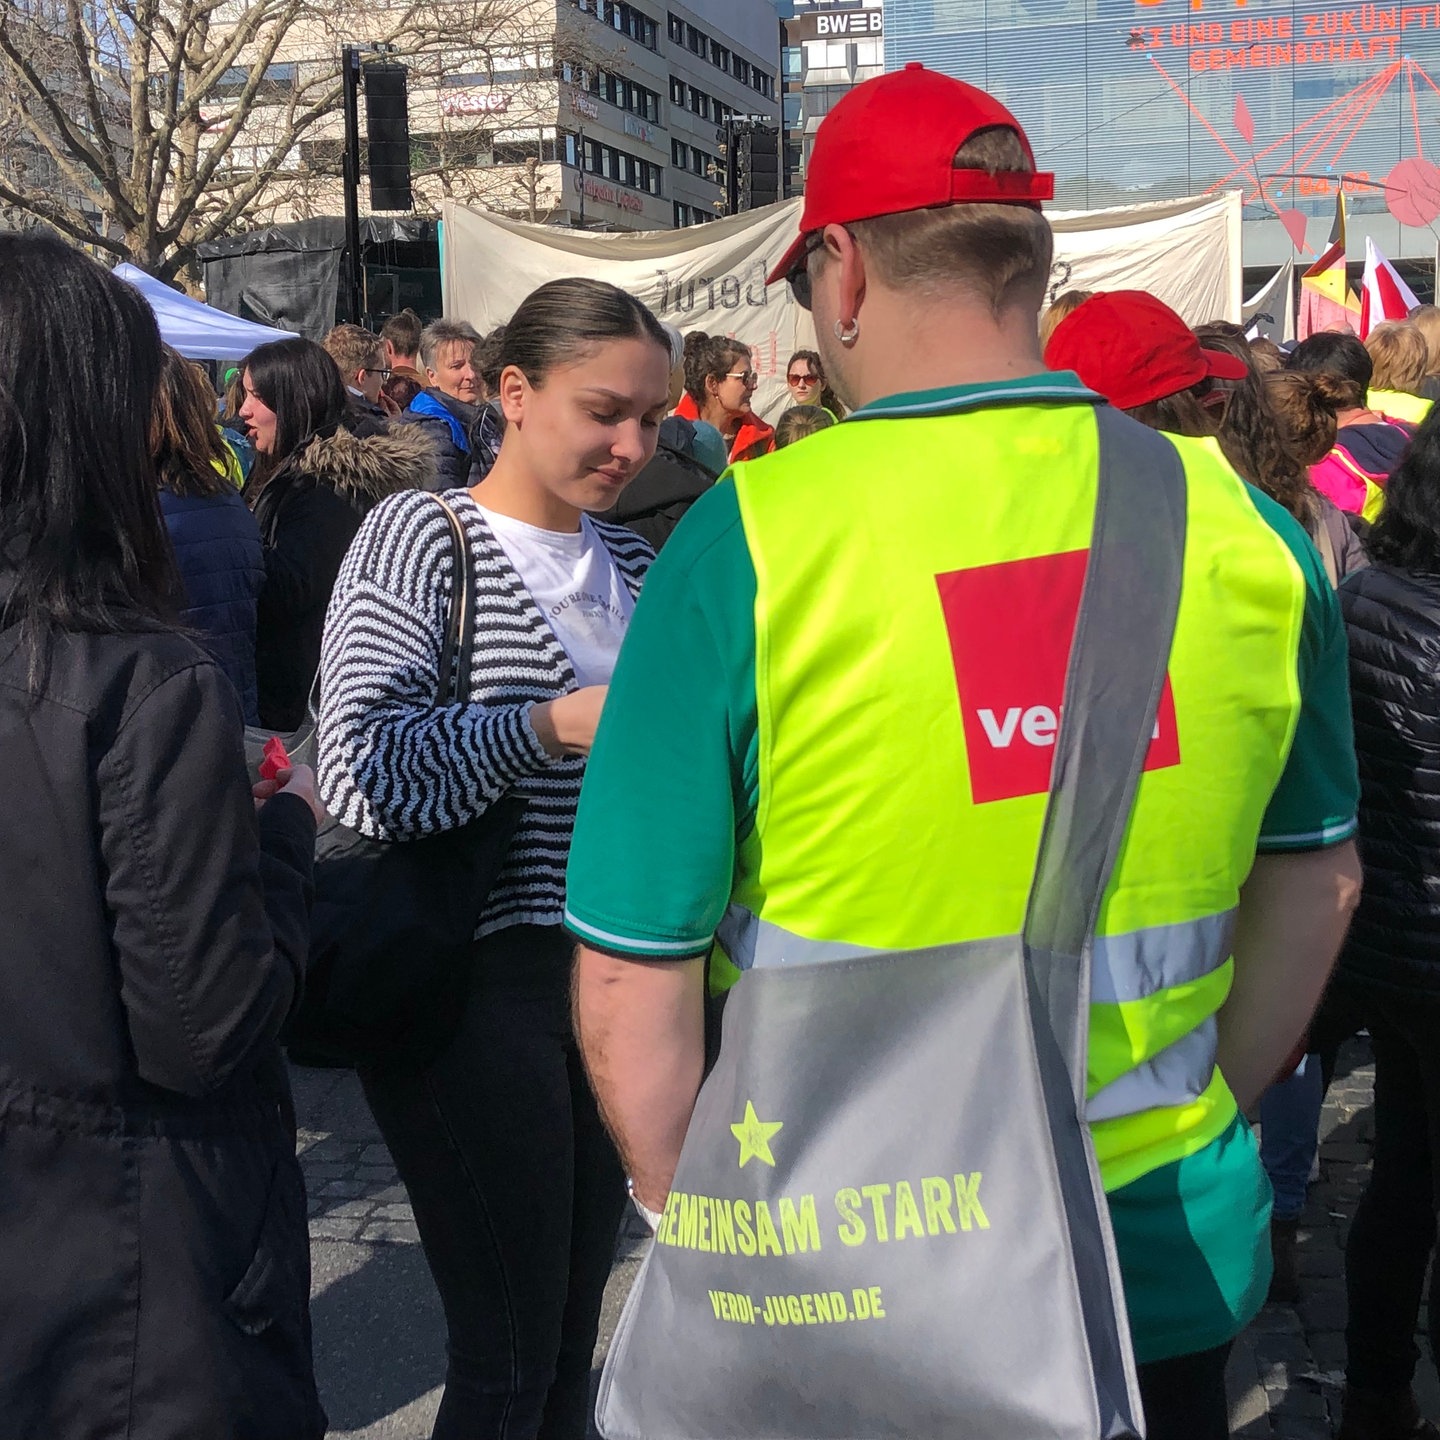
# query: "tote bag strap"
x,y
457,650
1113,684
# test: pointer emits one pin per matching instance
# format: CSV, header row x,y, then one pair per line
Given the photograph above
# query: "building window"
x,y
613,164
821,99
792,59
276,83
626,94
677,90
624,18
676,29
517,152
686,215
677,152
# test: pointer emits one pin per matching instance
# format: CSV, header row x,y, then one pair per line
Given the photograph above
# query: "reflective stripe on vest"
x,y
911,640
1126,967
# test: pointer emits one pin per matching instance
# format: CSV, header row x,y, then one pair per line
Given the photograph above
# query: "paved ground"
x,y
379,1334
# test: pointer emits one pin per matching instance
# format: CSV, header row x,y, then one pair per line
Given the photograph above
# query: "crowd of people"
x,y
781,763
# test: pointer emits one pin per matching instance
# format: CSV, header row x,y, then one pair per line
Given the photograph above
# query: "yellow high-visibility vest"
x,y
911,641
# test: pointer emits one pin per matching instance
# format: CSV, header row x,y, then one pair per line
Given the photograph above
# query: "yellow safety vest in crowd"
x,y
911,642
1398,405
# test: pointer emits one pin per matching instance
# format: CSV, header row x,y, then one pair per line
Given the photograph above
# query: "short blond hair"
x,y
1427,321
1063,307
1400,354
1001,254
353,349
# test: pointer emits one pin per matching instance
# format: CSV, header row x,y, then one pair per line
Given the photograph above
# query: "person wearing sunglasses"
x,y
827,711
805,379
719,387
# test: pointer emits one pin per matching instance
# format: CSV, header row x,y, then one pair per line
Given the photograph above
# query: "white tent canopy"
x,y
196,330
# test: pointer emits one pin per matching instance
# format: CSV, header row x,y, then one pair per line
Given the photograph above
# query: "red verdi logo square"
x,y
1011,626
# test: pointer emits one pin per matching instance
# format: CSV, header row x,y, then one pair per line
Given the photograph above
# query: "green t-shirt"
x,y
673,784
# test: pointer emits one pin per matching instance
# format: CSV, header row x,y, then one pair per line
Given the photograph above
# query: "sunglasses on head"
x,y
799,278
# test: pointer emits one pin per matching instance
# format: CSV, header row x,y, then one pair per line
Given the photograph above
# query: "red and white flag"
x,y
1383,294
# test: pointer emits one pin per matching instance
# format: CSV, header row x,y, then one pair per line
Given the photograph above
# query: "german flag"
x,y
1326,300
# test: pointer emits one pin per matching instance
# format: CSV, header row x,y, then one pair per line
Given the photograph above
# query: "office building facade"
x,y
829,49
1286,100
596,113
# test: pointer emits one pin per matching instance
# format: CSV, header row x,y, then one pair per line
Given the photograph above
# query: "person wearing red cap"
x,y
831,730
1143,358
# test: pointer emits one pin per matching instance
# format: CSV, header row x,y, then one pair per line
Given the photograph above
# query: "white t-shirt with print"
x,y
575,584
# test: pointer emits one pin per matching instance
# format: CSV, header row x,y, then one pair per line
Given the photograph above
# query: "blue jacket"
x,y
222,566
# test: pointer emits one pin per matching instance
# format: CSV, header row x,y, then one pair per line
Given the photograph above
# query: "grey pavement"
x,y
380,1335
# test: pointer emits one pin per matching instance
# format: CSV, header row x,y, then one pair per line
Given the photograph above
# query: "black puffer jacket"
x,y
154,1270
1393,619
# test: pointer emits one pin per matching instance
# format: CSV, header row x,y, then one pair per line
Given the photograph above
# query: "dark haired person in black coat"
x,y
314,483
1390,966
154,1263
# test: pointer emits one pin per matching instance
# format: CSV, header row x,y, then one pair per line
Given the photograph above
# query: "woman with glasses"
x,y
719,386
805,378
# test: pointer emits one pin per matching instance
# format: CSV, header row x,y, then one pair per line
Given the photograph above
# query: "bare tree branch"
x,y
147,127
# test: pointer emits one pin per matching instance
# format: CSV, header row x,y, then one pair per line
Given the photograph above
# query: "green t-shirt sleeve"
x,y
672,777
1316,801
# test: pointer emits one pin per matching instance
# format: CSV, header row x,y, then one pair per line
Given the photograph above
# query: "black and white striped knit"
x,y
393,763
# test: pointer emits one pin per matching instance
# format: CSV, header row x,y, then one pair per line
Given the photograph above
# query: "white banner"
x,y
1185,252
712,277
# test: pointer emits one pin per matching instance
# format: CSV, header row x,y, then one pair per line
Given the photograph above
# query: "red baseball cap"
x,y
1135,349
889,146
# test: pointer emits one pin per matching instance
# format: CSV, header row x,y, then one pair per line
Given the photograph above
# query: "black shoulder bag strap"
x,y
457,650
1116,673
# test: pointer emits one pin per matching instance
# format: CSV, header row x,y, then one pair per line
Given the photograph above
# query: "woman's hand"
x,y
567,726
298,780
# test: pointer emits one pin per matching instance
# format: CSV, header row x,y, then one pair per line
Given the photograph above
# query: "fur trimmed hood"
x,y
369,469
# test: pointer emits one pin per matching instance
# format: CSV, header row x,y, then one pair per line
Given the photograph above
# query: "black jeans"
x,y
517,1192
1185,1397
1394,1227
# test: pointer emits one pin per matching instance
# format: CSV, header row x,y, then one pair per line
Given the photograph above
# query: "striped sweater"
x,y
393,763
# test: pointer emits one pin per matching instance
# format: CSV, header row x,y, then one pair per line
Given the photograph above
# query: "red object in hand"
x,y
274,758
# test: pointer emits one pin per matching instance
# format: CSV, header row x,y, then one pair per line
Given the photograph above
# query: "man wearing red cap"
x,y
831,728
1143,358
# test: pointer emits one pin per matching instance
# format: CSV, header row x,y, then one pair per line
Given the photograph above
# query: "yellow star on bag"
x,y
755,1135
